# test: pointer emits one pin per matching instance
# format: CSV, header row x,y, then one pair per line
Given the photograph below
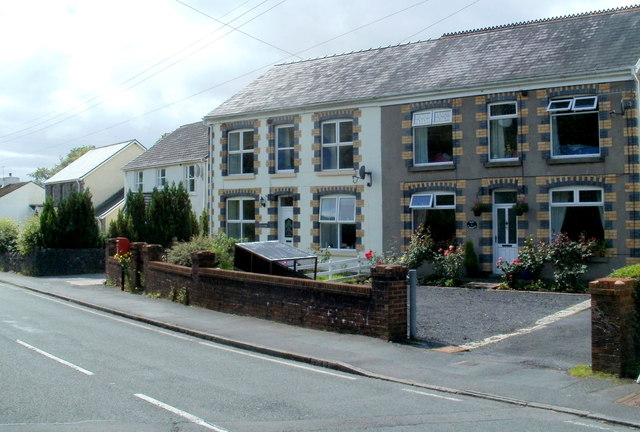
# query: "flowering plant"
x,y
419,249
124,259
569,260
390,258
448,264
511,271
520,207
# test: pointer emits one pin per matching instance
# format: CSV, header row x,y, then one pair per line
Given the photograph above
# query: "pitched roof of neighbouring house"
x,y
88,162
590,44
188,143
6,190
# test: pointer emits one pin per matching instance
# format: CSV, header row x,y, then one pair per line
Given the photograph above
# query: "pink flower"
x,y
440,250
369,254
452,247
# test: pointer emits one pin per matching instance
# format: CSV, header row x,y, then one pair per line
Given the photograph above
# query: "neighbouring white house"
x,y
99,171
20,200
178,157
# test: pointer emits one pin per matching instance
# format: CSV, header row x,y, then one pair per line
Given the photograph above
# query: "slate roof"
x,y
6,190
86,163
586,44
188,143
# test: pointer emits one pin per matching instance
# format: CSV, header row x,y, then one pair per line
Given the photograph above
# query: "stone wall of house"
x,y
378,310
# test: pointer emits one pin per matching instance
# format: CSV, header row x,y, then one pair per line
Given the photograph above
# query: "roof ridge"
x,y
541,21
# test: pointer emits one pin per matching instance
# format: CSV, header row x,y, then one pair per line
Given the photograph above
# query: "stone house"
x,y
355,152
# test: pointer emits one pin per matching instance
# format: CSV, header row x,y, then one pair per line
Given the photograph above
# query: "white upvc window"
x,y
138,181
161,177
575,127
432,137
241,218
436,212
337,145
577,211
240,153
190,178
285,148
503,131
338,222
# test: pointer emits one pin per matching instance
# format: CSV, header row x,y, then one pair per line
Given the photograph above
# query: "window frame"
x,y
575,202
336,144
241,151
290,149
190,178
161,177
491,118
426,119
337,219
242,221
568,107
138,181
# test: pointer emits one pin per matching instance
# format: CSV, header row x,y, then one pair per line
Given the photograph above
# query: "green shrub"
x,y
448,264
569,260
8,235
30,237
221,245
471,264
632,271
72,225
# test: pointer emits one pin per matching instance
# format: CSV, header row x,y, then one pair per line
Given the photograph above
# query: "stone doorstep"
x,y
633,400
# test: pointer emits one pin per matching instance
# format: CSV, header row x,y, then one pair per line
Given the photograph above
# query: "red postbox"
x,y
122,245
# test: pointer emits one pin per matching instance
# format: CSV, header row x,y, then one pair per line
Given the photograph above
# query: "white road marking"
x,y
589,425
274,360
433,395
541,323
52,357
183,414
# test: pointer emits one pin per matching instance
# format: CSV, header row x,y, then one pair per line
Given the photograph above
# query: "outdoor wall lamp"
x,y
263,202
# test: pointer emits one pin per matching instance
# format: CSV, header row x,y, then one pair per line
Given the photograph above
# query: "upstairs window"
x,y
240,157
574,127
241,218
138,181
432,137
161,177
284,148
338,222
337,145
190,178
503,131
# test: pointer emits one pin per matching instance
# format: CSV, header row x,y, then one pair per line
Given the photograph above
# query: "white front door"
x,y
505,234
285,224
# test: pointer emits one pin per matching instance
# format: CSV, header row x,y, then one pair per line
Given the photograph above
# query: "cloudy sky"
x,y
83,72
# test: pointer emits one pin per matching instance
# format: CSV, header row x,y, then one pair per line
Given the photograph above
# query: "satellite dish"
x,y
362,172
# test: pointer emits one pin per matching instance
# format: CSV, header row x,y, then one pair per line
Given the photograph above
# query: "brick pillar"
x,y
389,293
202,259
612,325
151,252
110,248
135,266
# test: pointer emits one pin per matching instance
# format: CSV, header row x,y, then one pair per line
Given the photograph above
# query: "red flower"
x,y
369,254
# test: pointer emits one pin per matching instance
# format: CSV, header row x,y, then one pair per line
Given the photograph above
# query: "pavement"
x,y
489,372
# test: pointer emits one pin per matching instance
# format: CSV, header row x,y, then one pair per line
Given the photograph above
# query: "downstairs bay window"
x,y
435,212
241,218
576,212
338,222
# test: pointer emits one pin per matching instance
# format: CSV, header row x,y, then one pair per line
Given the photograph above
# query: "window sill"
x,y
240,177
284,175
575,160
423,168
334,173
505,163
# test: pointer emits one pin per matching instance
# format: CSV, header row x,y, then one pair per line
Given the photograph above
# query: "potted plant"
x,y
520,207
479,207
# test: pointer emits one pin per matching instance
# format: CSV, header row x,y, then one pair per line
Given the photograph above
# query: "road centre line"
x,y
52,357
433,395
114,318
274,360
183,414
541,323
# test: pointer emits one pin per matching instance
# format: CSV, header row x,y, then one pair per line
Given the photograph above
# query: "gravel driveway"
x,y
456,316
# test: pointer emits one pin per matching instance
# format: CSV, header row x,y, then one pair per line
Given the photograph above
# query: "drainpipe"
x,y
635,72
